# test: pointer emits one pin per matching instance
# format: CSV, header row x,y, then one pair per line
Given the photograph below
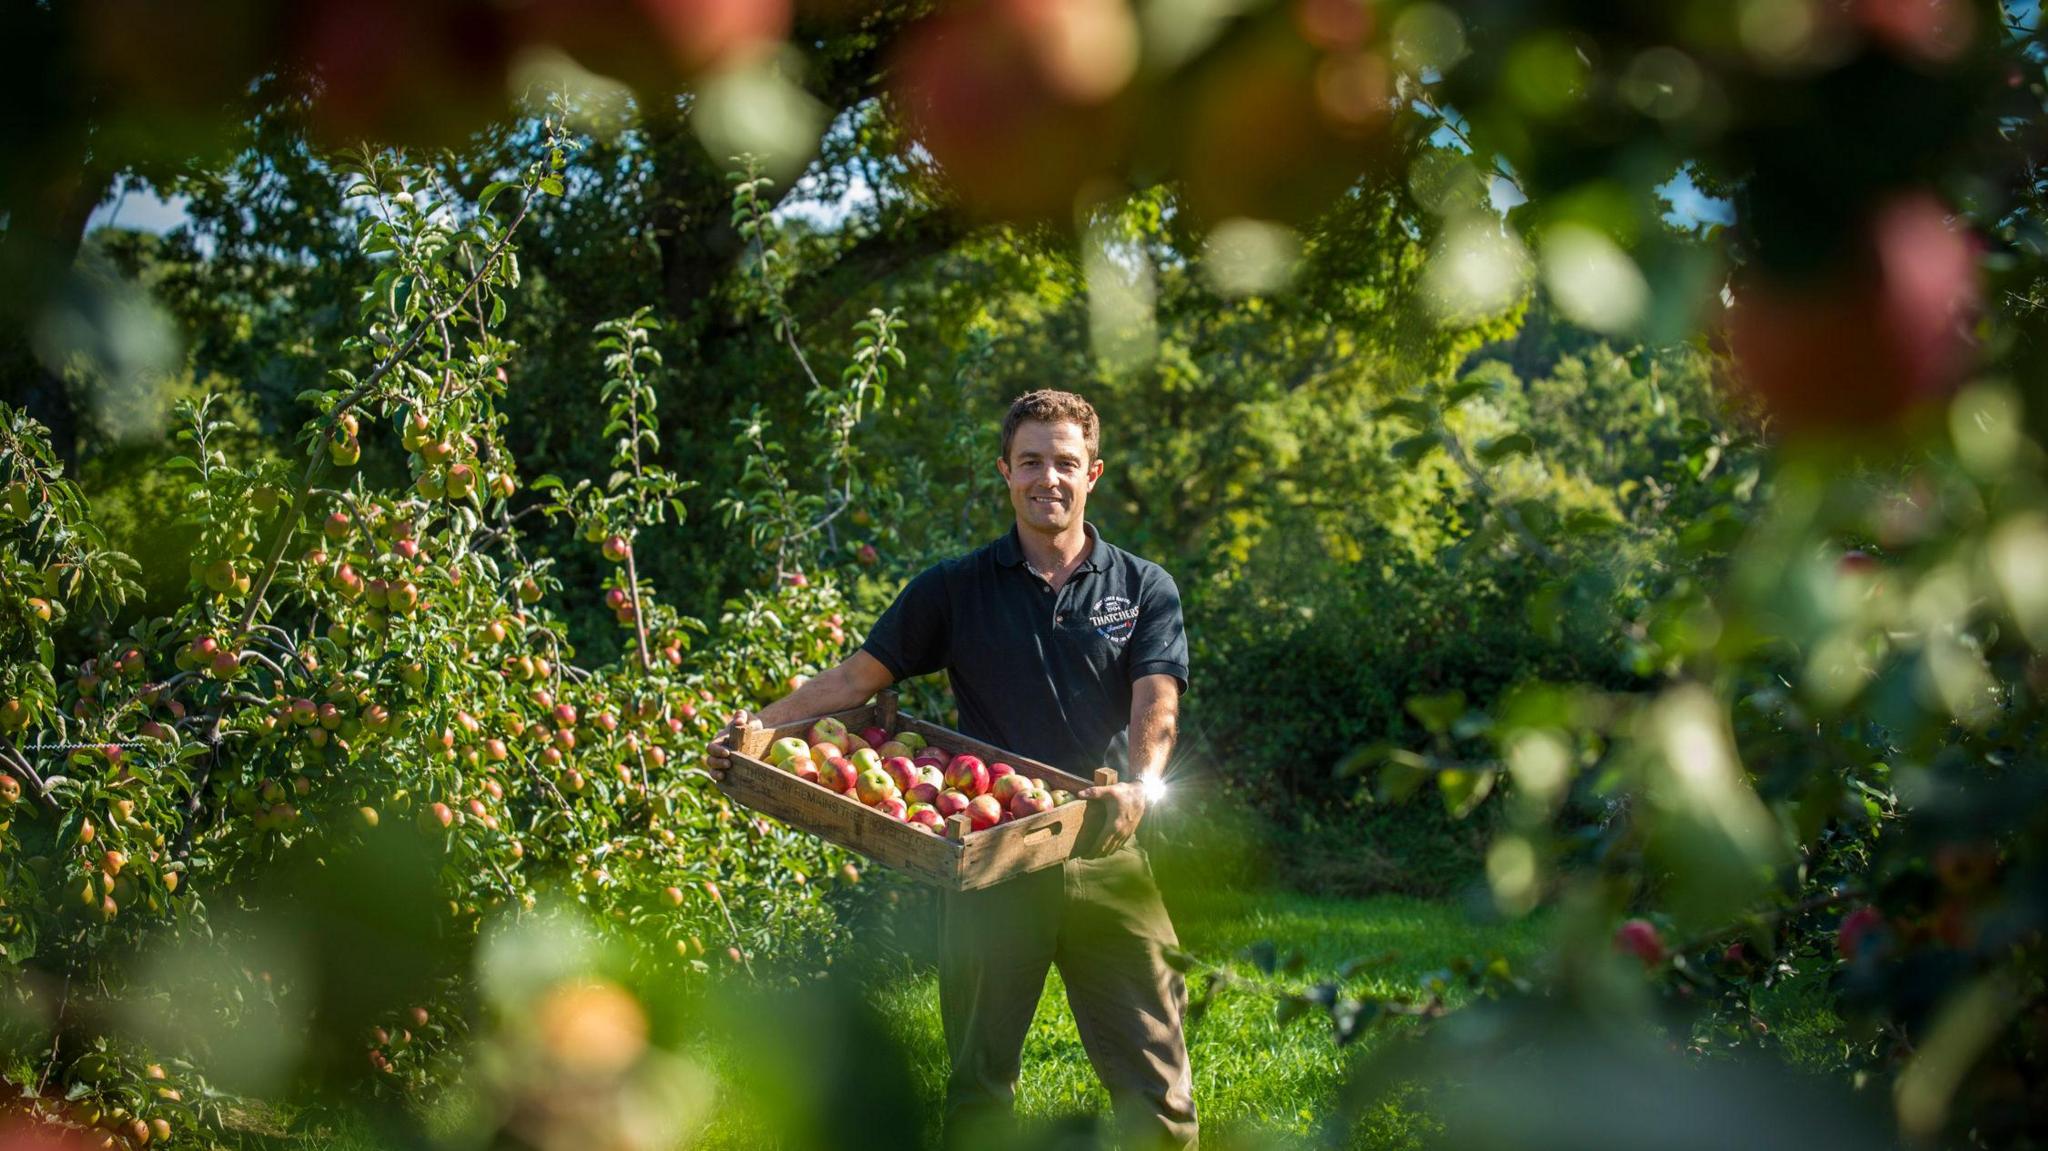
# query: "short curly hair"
x,y
1047,405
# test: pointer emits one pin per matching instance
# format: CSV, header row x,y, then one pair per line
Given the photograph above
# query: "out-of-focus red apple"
x,y
1638,937
1860,932
1016,99
1856,349
874,737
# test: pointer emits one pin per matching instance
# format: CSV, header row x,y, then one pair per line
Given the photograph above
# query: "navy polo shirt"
x,y
1041,672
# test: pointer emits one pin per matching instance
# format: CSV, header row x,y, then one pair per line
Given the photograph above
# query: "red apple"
x,y
925,814
829,730
902,772
997,771
874,736
890,749
805,770
950,803
1007,787
966,773
1638,937
984,812
891,806
838,774
1030,802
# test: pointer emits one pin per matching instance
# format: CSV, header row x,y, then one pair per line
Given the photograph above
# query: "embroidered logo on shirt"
x,y
1114,618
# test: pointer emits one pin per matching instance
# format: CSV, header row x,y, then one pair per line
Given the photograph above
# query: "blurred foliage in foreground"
x,y
1729,648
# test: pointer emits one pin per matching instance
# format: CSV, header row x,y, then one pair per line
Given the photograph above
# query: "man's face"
x,y
1050,475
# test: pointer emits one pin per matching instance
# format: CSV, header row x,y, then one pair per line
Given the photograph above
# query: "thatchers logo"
x,y
1114,618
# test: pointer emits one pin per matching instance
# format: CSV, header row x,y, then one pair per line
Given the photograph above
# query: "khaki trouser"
x,y
1102,922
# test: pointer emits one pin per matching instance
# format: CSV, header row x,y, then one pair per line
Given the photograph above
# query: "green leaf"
x,y
1465,389
1418,412
1437,712
1413,448
1464,788
1401,775
491,192
551,185
1512,444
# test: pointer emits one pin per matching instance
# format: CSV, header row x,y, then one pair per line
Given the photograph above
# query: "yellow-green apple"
x,y
889,749
891,806
910,739
1030,802
950,803
966,773
829,730
902,772
984,812
874,736
786,747
1061,795
925,814
872,785
866,758
838,774
1007,787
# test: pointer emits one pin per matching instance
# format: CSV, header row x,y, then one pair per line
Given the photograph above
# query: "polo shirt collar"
x,y
1010,549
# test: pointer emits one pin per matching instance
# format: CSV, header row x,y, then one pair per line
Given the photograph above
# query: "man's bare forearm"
x,y
834,689
1155,725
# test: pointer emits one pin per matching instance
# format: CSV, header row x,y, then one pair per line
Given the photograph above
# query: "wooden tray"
x,y
960,860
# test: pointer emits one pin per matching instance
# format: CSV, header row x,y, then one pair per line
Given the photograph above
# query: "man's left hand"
x,y
1123,805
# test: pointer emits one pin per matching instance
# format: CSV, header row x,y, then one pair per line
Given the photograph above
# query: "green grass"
x,y
1256,1083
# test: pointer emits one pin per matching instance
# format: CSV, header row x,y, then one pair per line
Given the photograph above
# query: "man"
x,y
1061,647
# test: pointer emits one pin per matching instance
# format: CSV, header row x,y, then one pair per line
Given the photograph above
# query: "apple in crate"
x,y
967,773
911,740
866,758
983,812
803,769
902,773
891,806
854,742
931,757
997,771
1030,802
890,749
1007,787
873,785
822,753
874,736
838,774
951,803
786,747
1061,796
928,786
829,730
925,814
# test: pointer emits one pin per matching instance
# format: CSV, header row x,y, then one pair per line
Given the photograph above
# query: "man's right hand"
x,y
718,754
